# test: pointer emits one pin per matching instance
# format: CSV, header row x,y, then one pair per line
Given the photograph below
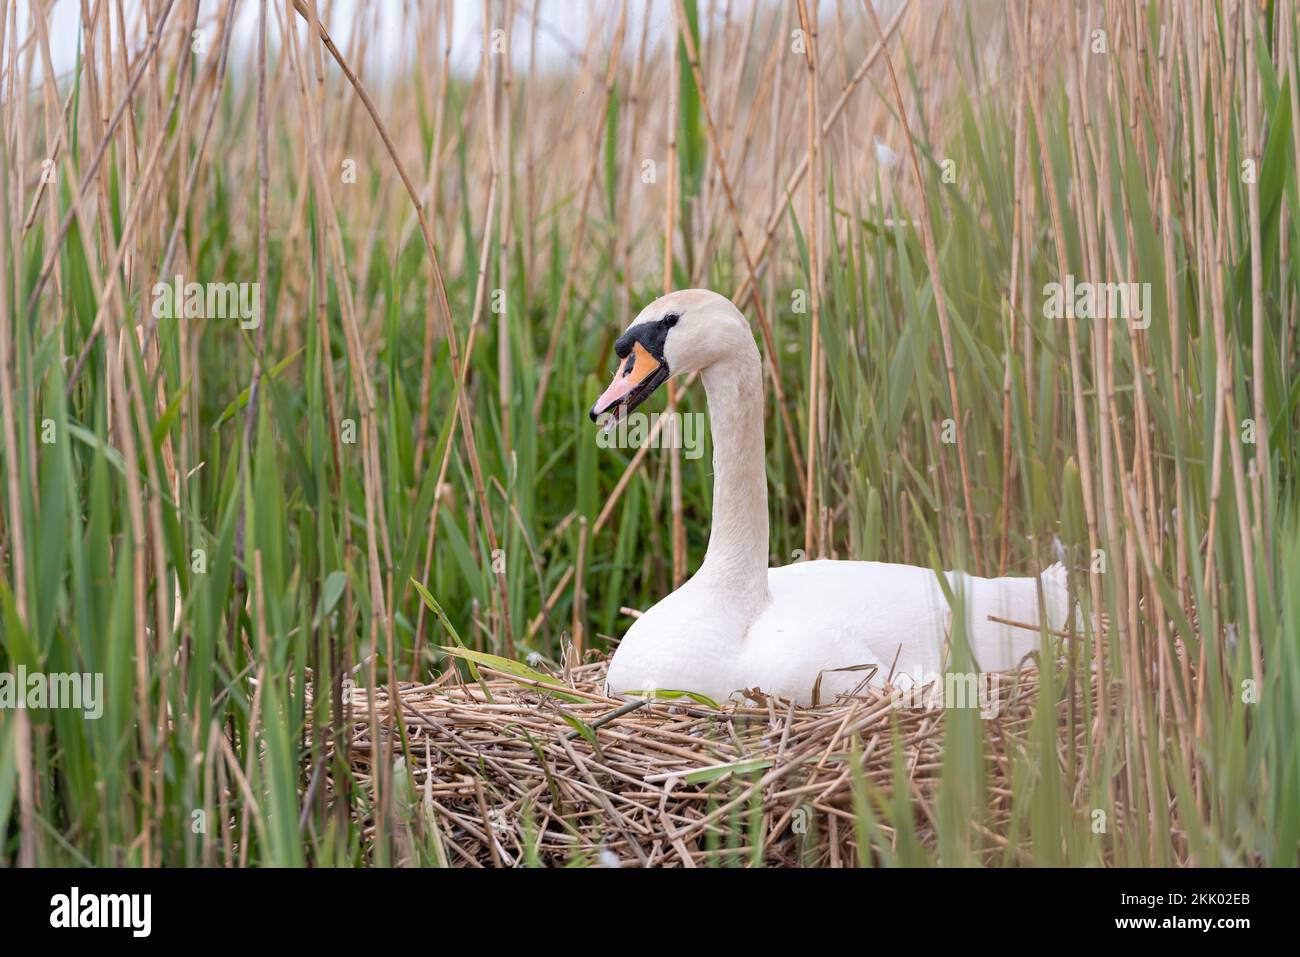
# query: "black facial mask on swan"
x,y
642,368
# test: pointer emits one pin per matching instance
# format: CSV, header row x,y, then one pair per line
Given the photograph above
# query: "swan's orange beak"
x,y
639,374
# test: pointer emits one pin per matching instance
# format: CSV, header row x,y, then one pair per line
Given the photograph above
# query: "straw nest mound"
x,y
502,773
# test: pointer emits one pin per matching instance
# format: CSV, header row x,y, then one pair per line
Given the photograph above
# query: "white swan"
x,y
738,624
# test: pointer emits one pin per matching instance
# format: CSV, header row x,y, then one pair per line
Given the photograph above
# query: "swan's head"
x,y
682,332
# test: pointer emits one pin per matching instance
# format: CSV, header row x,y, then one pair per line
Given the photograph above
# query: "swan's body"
x,y
739,625
824,615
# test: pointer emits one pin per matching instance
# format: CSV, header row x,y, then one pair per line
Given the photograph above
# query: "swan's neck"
x,y
736,560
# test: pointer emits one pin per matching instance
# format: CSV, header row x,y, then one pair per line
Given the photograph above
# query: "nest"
x,y
502,772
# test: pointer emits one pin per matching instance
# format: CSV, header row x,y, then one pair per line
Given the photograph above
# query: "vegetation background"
x,y
453,208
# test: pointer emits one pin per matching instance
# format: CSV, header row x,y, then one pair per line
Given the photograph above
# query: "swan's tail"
x,y
1056,595
1005,614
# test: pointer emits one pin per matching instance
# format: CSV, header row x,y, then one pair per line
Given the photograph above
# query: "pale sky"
x,y
564,27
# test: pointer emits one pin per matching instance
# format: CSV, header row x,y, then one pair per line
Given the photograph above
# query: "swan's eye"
x,y
670,320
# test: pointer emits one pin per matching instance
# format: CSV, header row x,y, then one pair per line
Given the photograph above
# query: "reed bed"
x,y
445,237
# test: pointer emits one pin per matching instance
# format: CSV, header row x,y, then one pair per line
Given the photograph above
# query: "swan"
x,y
737,624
